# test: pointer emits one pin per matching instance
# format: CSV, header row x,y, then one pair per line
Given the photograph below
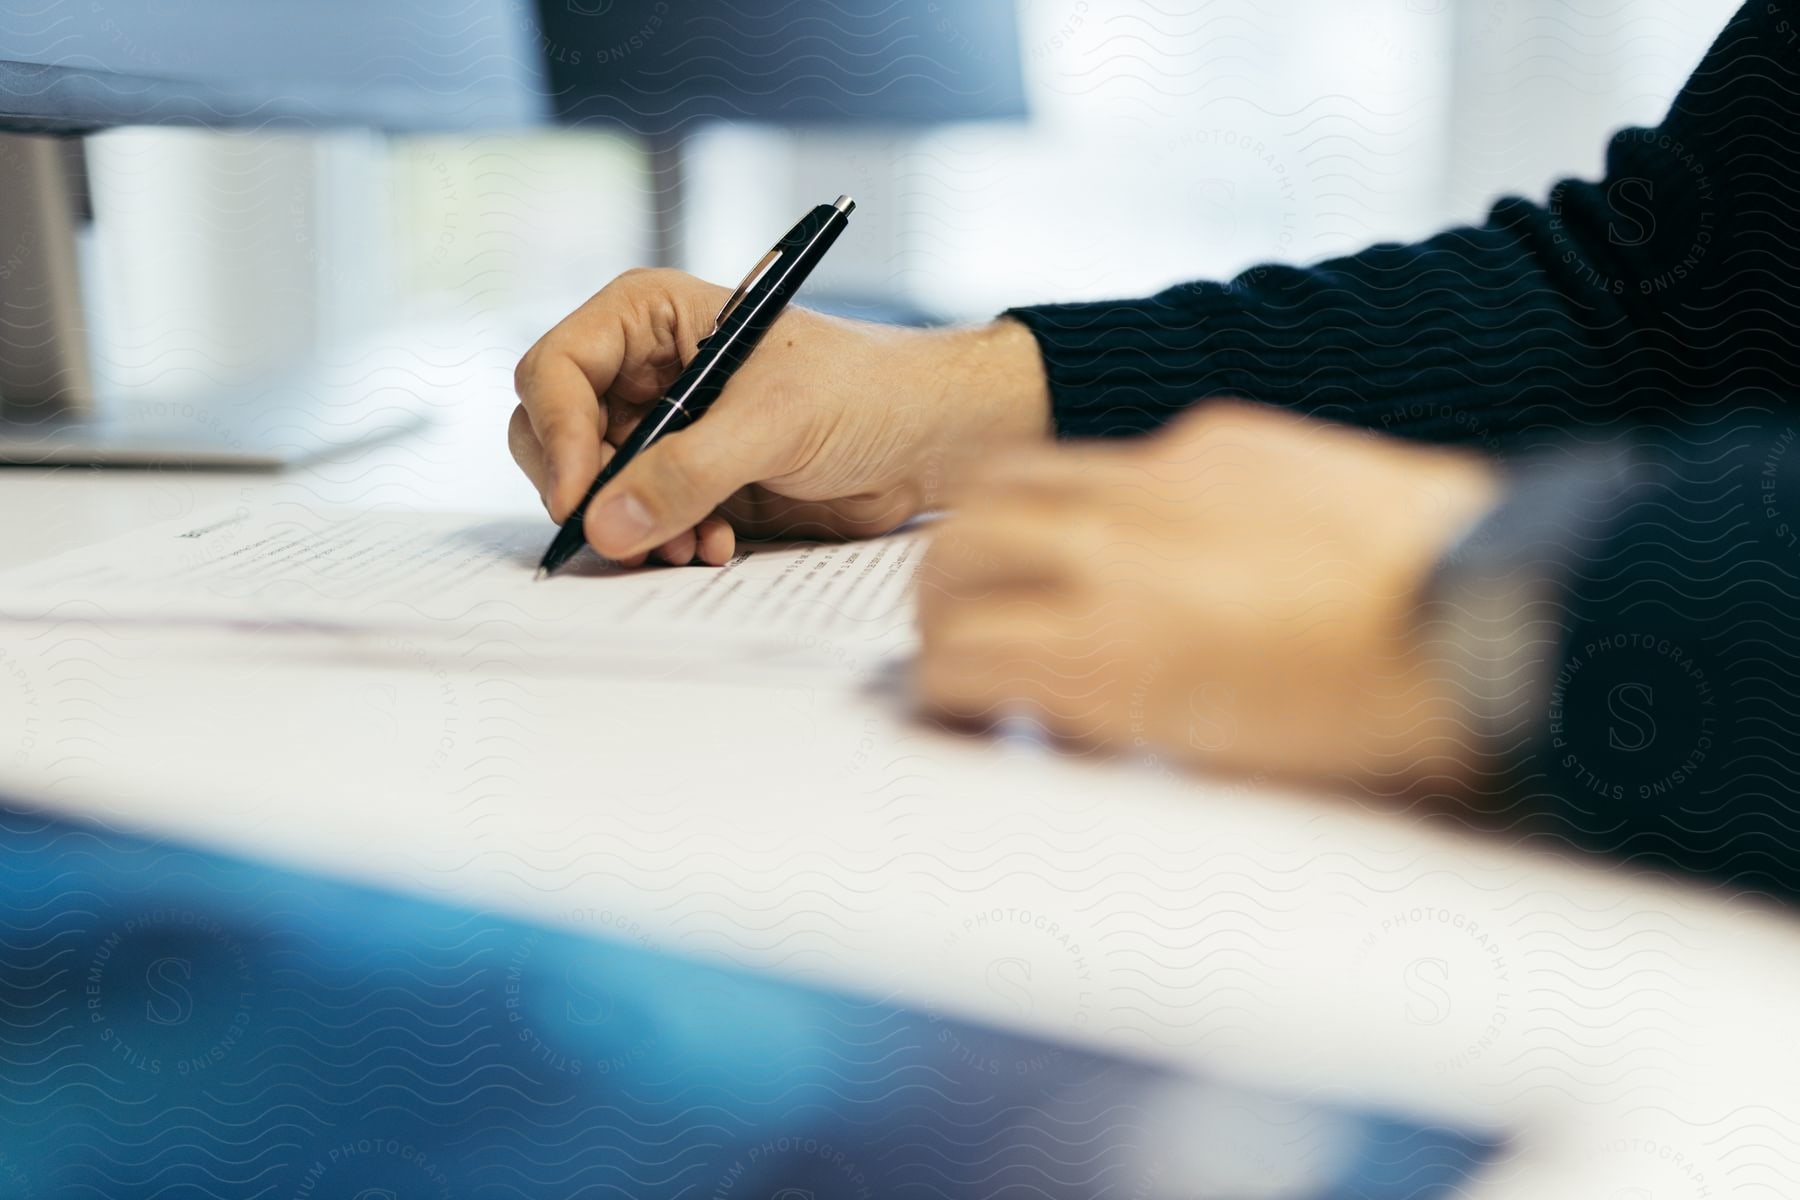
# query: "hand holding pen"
x,y
830,429
738,329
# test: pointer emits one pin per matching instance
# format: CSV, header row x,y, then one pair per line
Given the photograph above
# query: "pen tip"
x,y
542,574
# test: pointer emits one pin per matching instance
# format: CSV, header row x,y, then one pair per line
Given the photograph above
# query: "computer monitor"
x,y
72,69
655,68
393,64
660,69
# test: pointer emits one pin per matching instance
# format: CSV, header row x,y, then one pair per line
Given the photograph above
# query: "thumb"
x,y
670,487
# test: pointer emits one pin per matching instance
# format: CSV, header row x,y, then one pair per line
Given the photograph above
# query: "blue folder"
x,y
181,1024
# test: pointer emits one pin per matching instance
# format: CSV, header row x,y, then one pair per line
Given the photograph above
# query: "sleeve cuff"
x,y
1122,368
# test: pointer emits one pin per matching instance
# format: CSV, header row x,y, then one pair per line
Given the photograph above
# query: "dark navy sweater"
x,y
1657,311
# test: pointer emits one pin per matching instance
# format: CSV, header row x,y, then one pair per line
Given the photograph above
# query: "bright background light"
x,y
1167,142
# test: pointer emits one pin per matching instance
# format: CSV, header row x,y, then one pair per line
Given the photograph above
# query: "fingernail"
x,y
621,524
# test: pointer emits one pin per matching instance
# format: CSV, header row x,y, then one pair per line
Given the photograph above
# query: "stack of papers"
x,y
455,576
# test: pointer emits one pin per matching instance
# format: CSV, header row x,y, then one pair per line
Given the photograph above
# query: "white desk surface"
x,y
1634,1035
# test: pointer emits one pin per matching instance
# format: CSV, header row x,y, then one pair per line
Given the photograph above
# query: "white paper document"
x,y
361,570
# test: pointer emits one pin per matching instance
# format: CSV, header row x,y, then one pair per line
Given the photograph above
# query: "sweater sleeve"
x,y
1621,300
1664,734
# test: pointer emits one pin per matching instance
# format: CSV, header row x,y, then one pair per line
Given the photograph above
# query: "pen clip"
x,y
751,280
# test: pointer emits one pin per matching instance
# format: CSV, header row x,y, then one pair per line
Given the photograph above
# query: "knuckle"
x,y
645,279
1235,418
519,434
526,370
1204,419
617,289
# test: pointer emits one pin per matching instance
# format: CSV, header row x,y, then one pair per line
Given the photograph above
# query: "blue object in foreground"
x,y
174,1023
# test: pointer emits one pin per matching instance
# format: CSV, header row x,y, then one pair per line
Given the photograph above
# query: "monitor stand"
x,y
49,414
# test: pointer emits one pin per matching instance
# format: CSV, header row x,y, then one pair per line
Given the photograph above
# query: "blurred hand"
x,y
831,429
1238,591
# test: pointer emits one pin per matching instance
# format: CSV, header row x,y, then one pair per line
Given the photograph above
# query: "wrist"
x,y
987,389
1006,379
1429,729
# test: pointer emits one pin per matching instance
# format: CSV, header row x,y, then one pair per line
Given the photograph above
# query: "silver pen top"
x,y
844,204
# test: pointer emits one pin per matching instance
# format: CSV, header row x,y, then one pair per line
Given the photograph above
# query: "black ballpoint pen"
x,y
741,324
